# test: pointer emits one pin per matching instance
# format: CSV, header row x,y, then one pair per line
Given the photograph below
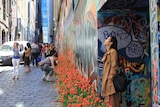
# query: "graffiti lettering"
x,y
119,33
134,50
135,92
130,76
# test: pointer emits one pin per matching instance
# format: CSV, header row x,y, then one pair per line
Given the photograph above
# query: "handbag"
x,y
120,81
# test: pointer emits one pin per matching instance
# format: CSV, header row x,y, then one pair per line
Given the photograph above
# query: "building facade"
x,y
19,19
47,20
38,24
31,20
22,20
4,21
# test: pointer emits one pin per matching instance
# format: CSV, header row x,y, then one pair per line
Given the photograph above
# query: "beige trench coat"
x,y
110,61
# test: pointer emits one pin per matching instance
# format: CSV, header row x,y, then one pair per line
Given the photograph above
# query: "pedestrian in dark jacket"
x,y
34,53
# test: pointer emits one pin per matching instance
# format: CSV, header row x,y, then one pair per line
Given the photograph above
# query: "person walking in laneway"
x,y
15,60
110,60
34,52
27,56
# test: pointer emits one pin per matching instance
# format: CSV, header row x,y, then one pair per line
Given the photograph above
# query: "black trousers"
x,y
34,57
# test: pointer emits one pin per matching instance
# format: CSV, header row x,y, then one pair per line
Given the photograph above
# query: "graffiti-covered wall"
x,y
154,53
132,33
77,38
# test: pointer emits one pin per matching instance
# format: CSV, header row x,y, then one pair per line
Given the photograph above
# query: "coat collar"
x,y
109,52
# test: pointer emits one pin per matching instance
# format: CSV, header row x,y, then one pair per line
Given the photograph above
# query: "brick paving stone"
x,y
28,91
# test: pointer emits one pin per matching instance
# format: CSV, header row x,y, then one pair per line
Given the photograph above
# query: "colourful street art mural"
x,y
82,32
132,33
77,38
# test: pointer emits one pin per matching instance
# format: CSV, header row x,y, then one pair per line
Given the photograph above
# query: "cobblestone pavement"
x,y
28,91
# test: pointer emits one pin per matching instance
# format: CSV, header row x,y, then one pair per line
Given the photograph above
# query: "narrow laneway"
x,y
28,91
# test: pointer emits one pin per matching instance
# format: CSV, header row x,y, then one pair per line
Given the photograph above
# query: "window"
x,y
4,9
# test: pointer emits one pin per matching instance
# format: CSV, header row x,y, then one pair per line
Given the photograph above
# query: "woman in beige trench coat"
x,y
110,61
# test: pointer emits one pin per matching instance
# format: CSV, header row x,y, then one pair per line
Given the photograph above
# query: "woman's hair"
x,y
16,44
28,45
114,40
25,48
114,46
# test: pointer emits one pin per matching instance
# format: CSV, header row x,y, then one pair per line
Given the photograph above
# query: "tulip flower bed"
x,y
74,90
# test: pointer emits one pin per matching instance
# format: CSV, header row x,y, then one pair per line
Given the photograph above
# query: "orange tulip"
x,y
74,89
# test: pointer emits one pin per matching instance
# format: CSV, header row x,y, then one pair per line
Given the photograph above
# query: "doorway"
x,y
3,37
